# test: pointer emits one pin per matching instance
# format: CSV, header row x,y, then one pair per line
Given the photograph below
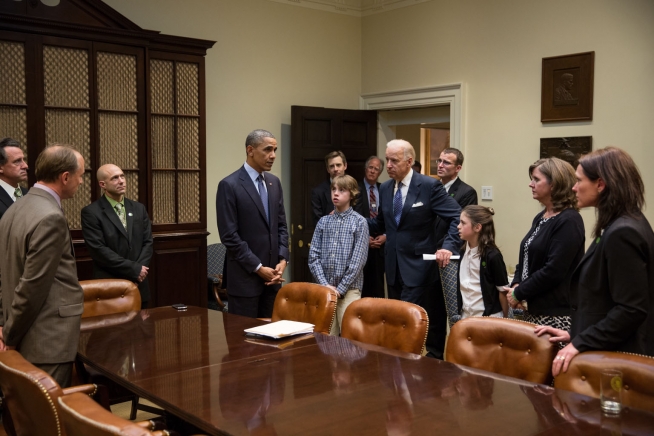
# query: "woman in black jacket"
x,y
551,249
612,291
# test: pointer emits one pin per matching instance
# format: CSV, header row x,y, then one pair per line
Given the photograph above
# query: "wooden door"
x,y
316,131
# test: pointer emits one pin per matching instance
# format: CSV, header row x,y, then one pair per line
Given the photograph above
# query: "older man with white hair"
x,y
410,203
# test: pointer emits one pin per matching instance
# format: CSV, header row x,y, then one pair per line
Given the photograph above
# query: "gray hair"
x,y
6,142
407,148
257,136
381,161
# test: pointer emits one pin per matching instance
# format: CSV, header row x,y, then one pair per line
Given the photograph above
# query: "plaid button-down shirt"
x,y
339,250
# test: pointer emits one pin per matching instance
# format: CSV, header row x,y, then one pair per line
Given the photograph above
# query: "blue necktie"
x,y
264,196
397,204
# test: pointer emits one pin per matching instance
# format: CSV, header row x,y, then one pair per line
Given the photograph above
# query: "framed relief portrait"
x,y
569,149
567,88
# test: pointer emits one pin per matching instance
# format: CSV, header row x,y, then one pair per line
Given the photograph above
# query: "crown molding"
x,y
355,8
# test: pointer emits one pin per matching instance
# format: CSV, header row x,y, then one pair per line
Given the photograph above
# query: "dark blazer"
x,y
363,204
492,273
414,236
465,195
116,252
373,272
553,256
42,301
321,201
245,231
612,292
6,201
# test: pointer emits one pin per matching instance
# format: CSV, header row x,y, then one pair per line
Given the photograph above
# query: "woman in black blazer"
x,y
551,249
612,292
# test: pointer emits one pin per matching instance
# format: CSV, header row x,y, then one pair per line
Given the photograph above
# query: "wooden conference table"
x,y
199,366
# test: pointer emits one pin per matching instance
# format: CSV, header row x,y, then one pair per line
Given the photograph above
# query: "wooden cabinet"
x,y
82,74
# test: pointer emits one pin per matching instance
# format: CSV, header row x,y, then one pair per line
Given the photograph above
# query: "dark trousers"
x,y
373,274
430,298
254,307
61,372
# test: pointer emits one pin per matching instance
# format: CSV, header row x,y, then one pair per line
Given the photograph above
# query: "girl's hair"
x,y
484,216
624,193
561,177
350,184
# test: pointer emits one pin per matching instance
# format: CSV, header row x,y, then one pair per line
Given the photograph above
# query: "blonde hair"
x,y
348,183
561,177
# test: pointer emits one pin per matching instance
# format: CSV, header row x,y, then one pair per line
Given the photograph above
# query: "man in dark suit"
x,y
252,225
13,170
321,195
410,204
42,301
118,233
450,163
368,207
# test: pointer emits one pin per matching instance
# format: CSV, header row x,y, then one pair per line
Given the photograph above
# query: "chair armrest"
x,y
265,319
84,389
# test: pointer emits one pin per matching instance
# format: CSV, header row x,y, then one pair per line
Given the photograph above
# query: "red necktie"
x,y
373,200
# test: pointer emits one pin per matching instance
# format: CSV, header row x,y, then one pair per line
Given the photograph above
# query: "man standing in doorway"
x,y
42,301
410,205
13,170
118,233
252,225
321,196
369,207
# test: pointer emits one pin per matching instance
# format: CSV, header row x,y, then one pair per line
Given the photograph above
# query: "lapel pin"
x,y
269,183
129,214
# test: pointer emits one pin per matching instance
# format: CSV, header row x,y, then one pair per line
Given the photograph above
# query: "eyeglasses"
x,y
444,162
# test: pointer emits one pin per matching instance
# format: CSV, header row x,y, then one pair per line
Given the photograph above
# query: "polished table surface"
x,y
200,366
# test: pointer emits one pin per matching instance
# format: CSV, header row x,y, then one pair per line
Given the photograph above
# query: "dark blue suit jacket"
x,y
243,228
414,236
6,201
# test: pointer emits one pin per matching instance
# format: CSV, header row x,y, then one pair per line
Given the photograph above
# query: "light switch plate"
x,y
486,192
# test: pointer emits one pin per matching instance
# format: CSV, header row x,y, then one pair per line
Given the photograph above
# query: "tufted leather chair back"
x,y
392,324
306,302
583,376
109,296
503,346
82,416
30,396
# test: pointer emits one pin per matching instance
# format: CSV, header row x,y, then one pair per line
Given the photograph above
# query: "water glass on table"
x,y
611,391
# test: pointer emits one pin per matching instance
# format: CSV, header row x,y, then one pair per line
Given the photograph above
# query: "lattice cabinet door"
x,y
13,92
175,123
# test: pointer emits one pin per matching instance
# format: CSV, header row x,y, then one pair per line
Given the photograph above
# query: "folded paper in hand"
x,y
433,257
281,329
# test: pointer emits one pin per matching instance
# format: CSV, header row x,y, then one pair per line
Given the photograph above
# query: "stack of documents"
x,y
281,329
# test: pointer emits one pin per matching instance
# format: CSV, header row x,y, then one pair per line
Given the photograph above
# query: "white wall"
x,y
268,56
495,49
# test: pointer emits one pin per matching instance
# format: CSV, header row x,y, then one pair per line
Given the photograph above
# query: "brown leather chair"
x,y
503,346
30,403
583,376
81,416
108,302
306,302
109,296
391,324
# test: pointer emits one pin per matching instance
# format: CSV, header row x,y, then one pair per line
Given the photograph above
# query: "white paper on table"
x,y
433,257
281,329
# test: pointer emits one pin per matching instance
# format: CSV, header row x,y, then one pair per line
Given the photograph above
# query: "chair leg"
x,y
135,406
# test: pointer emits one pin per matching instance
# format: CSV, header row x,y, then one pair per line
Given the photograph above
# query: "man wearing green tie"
x,y
13,170
118,233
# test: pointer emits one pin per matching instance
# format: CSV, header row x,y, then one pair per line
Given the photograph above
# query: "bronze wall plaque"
x,y
567,88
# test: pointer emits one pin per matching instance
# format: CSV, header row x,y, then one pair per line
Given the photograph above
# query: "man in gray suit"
x,y
42,301
13,170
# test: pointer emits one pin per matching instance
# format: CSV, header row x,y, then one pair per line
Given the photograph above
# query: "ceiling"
x,y
357,8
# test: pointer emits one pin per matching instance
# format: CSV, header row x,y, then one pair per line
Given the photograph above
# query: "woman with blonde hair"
x,y
612,290
551,249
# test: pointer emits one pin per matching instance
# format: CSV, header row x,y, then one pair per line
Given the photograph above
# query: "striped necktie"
x,y
373,201
397,204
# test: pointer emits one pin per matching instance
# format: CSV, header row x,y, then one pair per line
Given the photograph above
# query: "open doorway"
x,y
426,128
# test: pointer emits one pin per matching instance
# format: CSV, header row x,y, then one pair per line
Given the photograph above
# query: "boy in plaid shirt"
x,y
339,248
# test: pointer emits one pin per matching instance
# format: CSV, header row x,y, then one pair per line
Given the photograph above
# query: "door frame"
x,y
451,94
